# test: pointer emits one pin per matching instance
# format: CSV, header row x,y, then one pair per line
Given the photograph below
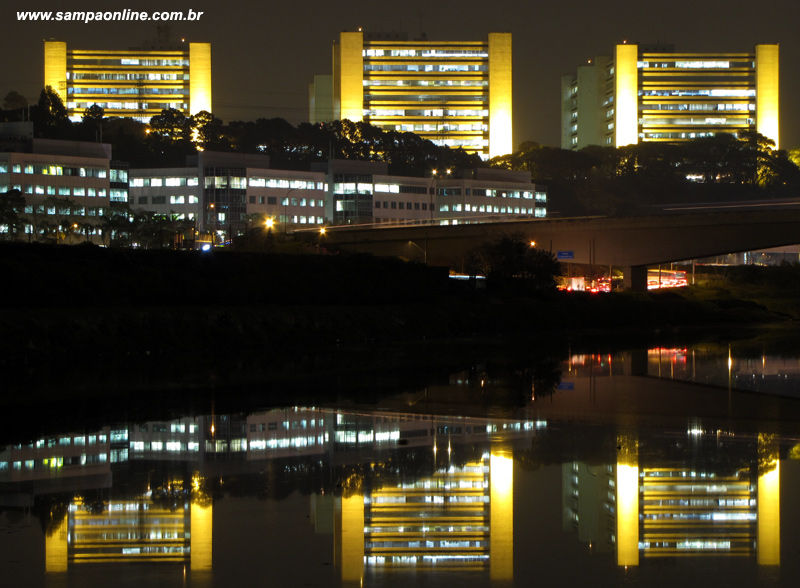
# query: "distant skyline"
x,y
264,56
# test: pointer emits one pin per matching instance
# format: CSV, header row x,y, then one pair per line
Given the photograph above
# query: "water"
x,y
643,468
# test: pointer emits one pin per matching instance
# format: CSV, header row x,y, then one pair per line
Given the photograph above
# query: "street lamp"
x,y
424,251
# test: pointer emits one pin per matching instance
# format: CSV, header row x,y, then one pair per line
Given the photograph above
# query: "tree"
x,y
514,258
172,125
50,117
92,123
14,104
12,206
208,131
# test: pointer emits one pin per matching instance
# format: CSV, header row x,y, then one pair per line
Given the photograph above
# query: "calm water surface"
x,y
647,468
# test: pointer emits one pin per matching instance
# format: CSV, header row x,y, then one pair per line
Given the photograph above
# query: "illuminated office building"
x,y
222,192
653,93
68,186
453,93
134,83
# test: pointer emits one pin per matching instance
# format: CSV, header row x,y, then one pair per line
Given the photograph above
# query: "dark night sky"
x,y
264,55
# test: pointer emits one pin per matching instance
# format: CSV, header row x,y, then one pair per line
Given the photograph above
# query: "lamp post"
x,y
424,251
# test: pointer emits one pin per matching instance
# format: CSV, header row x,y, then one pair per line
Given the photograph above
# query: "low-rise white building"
x,y
225,194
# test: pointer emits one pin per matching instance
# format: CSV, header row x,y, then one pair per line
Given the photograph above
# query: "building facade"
x,y
225,194
135,83
456,94
653,93
69,188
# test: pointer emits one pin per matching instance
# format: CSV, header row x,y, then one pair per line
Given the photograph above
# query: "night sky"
x,y
264,55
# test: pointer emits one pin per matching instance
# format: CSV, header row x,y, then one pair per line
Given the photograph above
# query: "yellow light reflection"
x,y
352,538
56,549
501,517
202,526
768,538
627,515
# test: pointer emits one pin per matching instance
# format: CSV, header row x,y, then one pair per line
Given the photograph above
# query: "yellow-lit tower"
x,y
130,83
454,93
653,93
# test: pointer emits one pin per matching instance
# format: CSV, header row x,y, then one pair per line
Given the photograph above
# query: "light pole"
x,y
424,251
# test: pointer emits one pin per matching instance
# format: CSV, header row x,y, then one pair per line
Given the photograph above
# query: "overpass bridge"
x,y
631,243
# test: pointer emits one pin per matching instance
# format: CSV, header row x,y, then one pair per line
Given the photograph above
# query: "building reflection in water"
x,y
646,510
699,493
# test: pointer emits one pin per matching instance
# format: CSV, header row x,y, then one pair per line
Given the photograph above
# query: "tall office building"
x,y
653,93
456,94
135,83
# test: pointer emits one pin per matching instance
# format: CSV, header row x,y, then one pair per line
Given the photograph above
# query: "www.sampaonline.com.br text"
x,y
117,15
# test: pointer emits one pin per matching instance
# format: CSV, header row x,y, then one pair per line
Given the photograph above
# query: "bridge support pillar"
x,y
635,278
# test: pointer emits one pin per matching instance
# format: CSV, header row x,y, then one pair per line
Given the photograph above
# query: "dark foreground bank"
x,y
62,303
94,334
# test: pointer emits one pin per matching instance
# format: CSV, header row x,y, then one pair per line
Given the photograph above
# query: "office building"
x,y
134,83
224,194
654,93
69,186
456,94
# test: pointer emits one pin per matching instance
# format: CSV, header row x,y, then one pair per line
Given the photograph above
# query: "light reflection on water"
x,y
640,468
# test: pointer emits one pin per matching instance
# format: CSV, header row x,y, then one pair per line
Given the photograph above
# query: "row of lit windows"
x,y
471,53
713,92
54,462
488,209
467,83
715,107
217,182
164,446
67,441
58,190
128,105
425,67
48,169
74,211
128,90
437,112
87,61
175,199
159,182
721,121
261,182
153,77
273,201
695,64
677,135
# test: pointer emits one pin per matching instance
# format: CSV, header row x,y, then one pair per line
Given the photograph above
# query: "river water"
x,y
651,467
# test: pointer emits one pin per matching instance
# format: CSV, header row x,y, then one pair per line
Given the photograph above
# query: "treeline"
x,y
594,180
171,136
626,180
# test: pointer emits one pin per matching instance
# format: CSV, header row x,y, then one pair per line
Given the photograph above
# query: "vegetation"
x,y
171,136
514,261
628,180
